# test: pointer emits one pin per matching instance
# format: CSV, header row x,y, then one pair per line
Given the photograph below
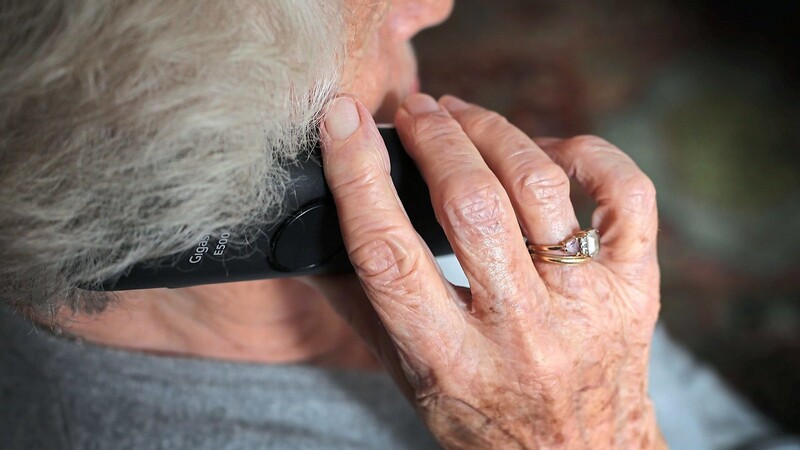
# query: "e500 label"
x,y
206,245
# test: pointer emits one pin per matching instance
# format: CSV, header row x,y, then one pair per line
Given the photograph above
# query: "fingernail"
x,y
453,103
342,119
420,104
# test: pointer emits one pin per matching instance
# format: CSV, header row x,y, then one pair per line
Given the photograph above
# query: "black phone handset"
x,y
305,240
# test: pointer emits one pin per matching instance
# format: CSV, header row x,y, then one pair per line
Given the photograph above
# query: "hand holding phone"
x,y
534,354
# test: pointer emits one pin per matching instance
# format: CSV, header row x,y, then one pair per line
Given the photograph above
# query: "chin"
x,y
387,111
391,102
403,81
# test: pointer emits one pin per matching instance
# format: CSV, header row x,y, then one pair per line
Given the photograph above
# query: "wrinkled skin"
x,y
534,354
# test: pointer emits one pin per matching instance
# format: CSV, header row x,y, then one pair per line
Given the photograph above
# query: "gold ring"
x,y
576,249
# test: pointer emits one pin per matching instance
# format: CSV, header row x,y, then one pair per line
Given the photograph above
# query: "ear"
x,y
409,17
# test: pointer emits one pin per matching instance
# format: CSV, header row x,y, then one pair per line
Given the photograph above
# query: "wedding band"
x,y
576,249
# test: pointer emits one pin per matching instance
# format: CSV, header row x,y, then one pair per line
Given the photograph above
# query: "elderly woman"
x,y
129,129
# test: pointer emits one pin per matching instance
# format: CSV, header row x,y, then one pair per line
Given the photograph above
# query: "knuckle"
x,y
590,142
479,209
478,214
385,263
596,148
543,184
355,180
436,126
639,193
486,122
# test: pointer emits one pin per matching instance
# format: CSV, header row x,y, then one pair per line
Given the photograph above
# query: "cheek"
x,y
367,75
382,70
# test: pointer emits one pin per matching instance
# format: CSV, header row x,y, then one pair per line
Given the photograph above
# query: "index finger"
x,y
399,275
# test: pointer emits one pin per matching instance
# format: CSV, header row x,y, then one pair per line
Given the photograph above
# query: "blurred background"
x,y
704,96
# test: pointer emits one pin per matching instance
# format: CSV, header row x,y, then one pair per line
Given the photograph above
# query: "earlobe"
x,y
409,17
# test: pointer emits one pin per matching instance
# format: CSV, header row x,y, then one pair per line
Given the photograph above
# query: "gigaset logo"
x,y
202,249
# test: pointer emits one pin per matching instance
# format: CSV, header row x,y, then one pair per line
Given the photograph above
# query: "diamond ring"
x,y
576,249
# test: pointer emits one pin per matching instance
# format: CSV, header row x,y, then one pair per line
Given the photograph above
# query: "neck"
x,y
274,321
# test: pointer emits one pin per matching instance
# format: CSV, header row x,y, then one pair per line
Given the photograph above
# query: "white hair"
x,y
130,128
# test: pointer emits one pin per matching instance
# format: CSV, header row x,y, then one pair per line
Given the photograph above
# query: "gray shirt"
x,y
56,393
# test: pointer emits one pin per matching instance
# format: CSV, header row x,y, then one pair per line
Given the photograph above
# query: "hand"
x,y
534,354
